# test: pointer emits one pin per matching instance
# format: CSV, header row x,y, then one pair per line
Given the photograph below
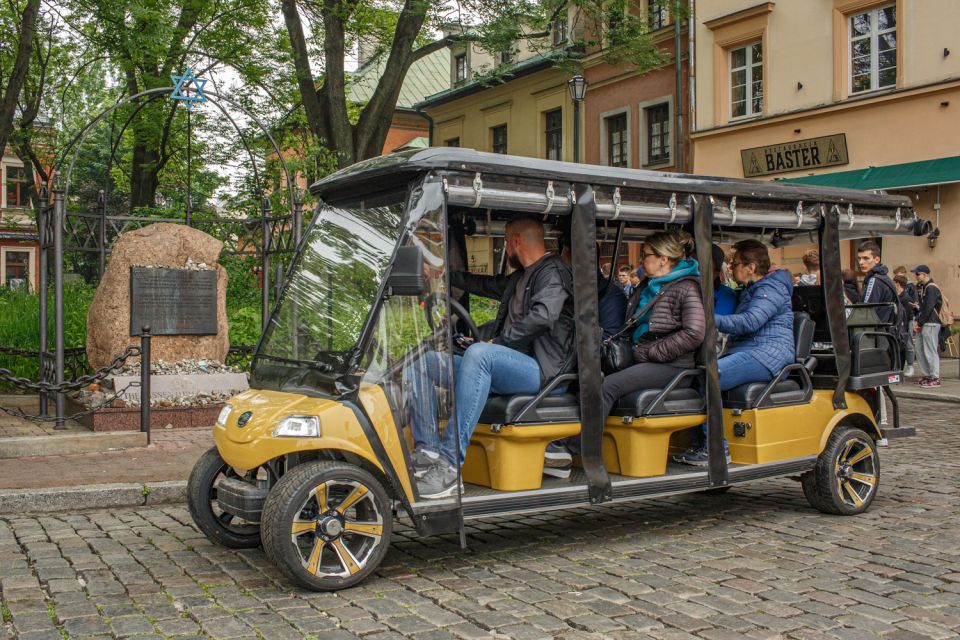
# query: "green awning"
x,y
893,176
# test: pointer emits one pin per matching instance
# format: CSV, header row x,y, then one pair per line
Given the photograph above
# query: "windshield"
x,y
314,331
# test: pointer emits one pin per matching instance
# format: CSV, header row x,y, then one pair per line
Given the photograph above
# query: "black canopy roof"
x,y
389,170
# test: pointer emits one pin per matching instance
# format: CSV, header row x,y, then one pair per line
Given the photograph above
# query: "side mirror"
x,y
406,273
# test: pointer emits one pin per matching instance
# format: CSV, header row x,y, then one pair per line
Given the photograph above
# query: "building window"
x,y
553,132
461,67
18,187
559,31
746,80
617,140
658,133
452,142
498,137
873,49
506,57
657,15
16,268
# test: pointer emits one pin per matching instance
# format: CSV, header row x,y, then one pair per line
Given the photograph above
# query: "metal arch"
x,y
78,141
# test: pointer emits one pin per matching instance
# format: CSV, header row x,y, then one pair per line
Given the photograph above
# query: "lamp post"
x,y
578,89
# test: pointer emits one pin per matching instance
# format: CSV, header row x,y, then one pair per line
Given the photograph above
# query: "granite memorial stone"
x,y
155,252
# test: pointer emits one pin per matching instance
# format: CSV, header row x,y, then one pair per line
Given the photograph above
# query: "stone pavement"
x,y
755,562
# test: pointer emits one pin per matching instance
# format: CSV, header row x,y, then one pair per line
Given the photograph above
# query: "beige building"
x,y
854,93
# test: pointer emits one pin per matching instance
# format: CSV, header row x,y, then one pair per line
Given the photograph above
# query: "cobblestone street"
x,y
756,562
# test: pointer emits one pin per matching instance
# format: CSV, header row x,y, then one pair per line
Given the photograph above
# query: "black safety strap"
x,y
583,250
830,267
702,208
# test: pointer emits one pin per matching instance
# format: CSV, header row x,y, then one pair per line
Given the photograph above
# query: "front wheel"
x,y
219,526
326,525
846,476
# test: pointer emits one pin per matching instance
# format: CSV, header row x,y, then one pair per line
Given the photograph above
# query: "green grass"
x,y
20,324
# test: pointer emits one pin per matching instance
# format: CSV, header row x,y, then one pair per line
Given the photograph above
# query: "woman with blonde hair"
x,y
666,322
667,314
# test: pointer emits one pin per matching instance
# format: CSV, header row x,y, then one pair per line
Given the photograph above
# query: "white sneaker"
x,y
908,372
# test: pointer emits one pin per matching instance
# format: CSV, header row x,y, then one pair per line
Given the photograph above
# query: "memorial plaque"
x,y
173,302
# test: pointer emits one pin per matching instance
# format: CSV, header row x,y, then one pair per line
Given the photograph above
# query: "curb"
x,y
914,394
70,443
97,496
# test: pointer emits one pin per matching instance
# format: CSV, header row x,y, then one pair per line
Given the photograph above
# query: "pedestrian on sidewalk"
x,y
928,327
910,302
900,282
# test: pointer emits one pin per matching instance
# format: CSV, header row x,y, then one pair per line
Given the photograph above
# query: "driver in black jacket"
x,y
533,341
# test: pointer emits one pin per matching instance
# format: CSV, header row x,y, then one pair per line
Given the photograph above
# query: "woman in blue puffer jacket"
x,y
760,328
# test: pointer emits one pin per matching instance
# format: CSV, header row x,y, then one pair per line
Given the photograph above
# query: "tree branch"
x,y
301,61
8,105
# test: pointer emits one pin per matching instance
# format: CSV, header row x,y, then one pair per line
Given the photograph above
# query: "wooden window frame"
x,y
553,133
506,138
732,32
842,10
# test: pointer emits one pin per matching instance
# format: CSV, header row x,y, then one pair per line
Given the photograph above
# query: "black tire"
x,y
318,543
220,527
847,474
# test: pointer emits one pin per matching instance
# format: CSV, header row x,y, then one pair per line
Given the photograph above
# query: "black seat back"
x,y
803,329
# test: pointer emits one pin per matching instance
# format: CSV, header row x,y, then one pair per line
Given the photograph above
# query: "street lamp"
x,y
578,89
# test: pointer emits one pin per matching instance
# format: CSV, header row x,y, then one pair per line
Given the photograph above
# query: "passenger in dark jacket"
x,y
533,342
668,326
671,324
761,330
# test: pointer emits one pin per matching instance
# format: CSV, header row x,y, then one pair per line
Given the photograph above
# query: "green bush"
x,y
244,325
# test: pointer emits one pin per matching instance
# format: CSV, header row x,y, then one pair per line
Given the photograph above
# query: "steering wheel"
x,y
457,310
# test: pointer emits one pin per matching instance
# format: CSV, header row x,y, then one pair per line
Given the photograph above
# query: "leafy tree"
x,y
147,41
401,30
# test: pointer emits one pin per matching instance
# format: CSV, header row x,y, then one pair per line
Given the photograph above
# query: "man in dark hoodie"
x,y
877,285
928,327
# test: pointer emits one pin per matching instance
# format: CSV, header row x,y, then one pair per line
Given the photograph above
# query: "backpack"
x,y
900,329
943,313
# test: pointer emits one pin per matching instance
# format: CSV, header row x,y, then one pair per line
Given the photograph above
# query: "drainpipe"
x,y
429,120
678,102
691,75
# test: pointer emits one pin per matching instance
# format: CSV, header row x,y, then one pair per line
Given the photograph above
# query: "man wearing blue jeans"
x,y
533,342
760,328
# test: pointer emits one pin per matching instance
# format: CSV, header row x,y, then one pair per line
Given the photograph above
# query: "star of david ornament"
x,y
183,86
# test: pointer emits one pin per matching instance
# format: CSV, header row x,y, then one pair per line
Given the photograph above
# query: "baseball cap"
x,y
921,268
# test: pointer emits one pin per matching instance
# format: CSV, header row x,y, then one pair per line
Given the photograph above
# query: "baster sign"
x,y
812,153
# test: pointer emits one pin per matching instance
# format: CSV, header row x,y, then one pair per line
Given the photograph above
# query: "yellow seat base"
x,y
640,449
512,458
779,433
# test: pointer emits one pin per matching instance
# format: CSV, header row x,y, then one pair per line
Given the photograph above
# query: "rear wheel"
x,y
327,525
847,474
219,526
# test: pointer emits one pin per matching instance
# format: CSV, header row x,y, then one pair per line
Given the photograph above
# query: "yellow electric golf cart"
x,y
314,462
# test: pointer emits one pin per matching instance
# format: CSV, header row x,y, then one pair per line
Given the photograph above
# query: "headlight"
x,y
298,427
224,414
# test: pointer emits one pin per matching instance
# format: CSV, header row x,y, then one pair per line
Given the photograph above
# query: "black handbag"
x,y
616,352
